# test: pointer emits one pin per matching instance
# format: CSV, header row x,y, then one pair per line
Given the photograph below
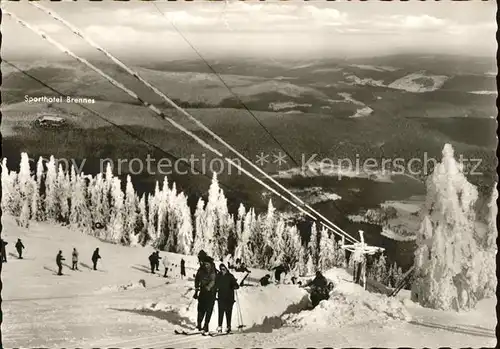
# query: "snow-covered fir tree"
x,y
199,224
301,264
185,230
153,202
130,214
51,190
239,224
25,187
141,226
313,247
451,266
9,194
80,215
116,223
38,204
291,248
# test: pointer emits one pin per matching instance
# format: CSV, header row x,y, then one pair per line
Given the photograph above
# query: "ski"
x,y
217,334
187,333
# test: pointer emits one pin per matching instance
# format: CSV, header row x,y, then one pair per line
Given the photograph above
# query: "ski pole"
x,y
240,318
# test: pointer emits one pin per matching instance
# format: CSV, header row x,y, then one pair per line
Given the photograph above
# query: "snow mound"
x,y
117,288
349,304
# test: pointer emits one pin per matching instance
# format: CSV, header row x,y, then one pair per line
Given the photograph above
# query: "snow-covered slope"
x,y
123,305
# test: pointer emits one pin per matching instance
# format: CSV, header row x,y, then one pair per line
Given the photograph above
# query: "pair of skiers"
x,y
211,285
19,247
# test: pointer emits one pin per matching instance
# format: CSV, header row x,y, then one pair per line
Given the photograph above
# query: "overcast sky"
x,y
259,29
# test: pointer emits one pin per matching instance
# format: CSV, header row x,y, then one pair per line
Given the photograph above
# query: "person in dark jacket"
x,y
205,290
59,259
226,284
264,281
153,257
74,259
280,269
183,268
3,251
95,258
320,289
19,248
157,260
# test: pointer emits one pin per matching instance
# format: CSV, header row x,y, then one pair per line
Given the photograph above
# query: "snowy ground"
x,y
112,308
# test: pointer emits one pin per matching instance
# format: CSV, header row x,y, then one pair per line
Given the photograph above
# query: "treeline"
x,y
100,206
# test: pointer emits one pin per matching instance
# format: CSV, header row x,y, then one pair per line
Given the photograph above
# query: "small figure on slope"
x,y
157,261
2,250
226,284
280,269
266,280
205,290
183,268
153,259
74,259
59,259
19,248
95,258
164,261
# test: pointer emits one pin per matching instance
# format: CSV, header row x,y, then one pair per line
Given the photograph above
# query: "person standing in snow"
x,y
320,289
205,290
19,248
157,261
183,268
164,261
59,259
280,269
74,259
226,285
95,258
152,261
3,250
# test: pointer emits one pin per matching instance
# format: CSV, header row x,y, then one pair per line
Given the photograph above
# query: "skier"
x,y
157,261
74,259
320,289
264,281
205,290
59,259
280,269
19,248
2,249
152,261
183,268
95,258
226,284
164,261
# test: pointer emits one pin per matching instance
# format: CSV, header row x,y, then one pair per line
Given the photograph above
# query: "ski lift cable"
x,y
153,108
337,230
256,119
